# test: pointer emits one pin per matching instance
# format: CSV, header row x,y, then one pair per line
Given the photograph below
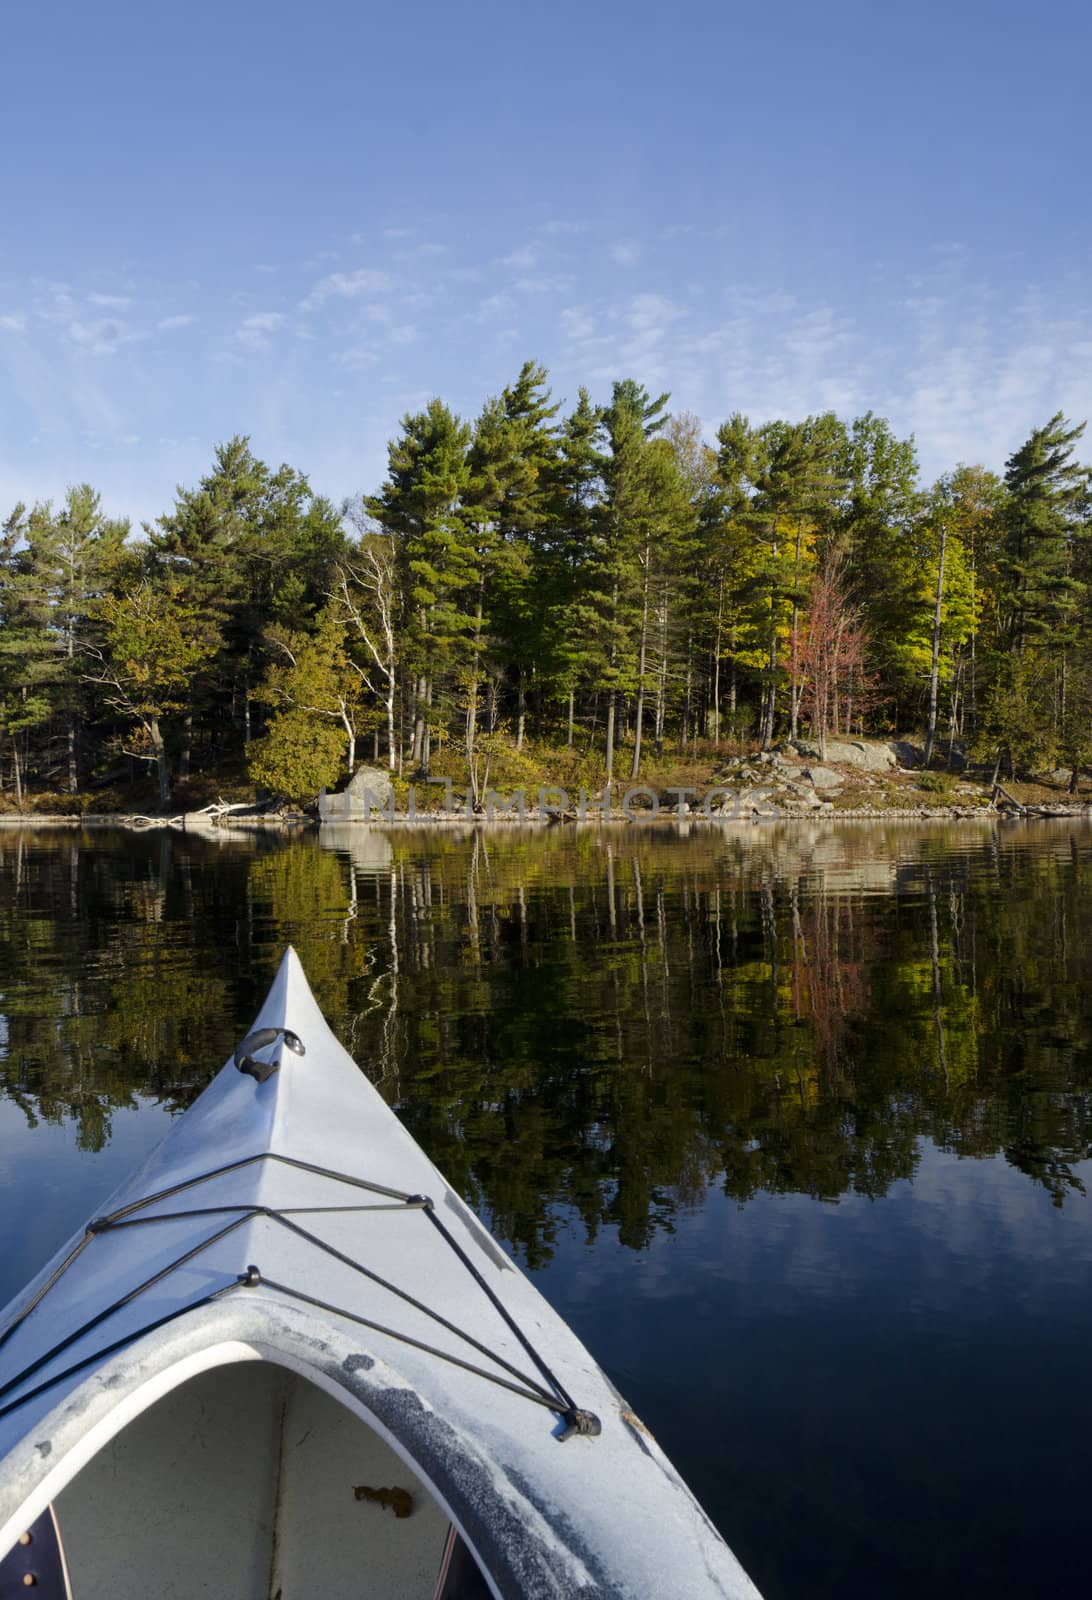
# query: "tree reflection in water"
x,y
604,1023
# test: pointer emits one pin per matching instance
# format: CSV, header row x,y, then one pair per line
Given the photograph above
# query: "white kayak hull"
x,y
294,1223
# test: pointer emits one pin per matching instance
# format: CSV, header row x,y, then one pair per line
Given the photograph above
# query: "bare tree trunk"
x,y
716,663
795,686
610,739
639,719
934,671
16,772
769,708
161,763
569,739
955,711
521,711
472,693
685,731
184,753
971,702
426,741
661,680
417,749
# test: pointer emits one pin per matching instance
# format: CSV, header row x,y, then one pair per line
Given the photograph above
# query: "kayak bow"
x,y
286,1299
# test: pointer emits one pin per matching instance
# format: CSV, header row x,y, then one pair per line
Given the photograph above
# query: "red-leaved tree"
x,y
838,688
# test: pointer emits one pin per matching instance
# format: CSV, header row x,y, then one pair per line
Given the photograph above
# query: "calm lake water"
x,y
791,1123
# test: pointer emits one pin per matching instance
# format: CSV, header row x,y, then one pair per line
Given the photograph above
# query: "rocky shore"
x,y
867,778
847,779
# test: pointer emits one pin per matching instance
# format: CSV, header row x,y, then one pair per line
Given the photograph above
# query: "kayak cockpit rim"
x,y
122,1397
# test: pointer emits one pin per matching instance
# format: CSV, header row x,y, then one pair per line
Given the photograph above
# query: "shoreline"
x,y
139,823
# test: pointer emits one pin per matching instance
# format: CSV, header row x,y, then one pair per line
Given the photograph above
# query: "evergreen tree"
x,y
28,661
249,546
509,501
70,560
618,590
1047,514
565,554
422,505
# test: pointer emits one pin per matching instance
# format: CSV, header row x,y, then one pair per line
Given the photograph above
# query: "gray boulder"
x,y
369,789
824,778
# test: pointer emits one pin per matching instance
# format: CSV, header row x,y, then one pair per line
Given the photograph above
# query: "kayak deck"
x,y
290,1269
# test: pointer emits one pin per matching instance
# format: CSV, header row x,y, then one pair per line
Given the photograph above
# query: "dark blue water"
x,y
793,1126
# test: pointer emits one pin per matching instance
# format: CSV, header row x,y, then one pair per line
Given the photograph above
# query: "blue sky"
x,y
299,221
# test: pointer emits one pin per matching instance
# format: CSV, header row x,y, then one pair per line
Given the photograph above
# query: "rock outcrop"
x,y
368,790
873,755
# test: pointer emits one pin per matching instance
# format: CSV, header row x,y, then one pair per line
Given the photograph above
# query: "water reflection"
x,y
607,1023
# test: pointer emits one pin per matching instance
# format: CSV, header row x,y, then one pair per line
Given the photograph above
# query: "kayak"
x,y
288,1361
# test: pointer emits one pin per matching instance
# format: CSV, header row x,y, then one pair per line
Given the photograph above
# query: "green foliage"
x,y
299,755
155,641
1047,515
603,575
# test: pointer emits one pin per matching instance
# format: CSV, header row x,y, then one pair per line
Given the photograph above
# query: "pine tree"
x,y
509,500
620,571
1047,512
250,546
421,505
70,560
28,658
565,554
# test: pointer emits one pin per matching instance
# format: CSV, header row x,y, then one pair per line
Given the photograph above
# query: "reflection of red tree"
x,y
829,982
837,688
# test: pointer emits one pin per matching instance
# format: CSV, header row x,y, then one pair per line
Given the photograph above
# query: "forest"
x,y
586,594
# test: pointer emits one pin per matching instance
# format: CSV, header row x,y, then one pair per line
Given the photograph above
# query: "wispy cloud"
x,y
559,283
493,306
577,323
625,253
346,286
184,319
522,259
357,357
255,331
13,322
110,302
652,314
563,225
